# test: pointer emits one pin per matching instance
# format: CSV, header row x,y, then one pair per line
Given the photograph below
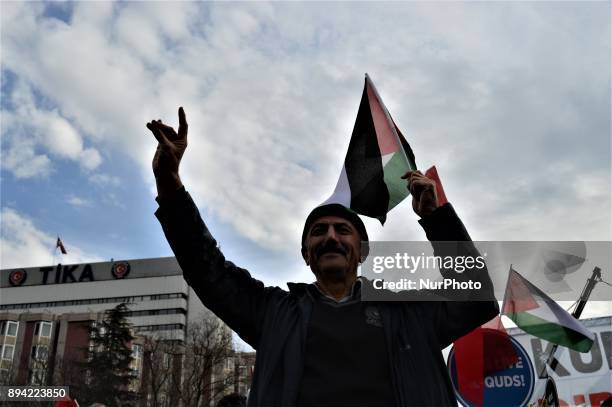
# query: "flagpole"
x,y
390,123
587,290
584,297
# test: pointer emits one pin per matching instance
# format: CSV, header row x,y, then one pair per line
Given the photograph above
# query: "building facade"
x,y
46,313
160,301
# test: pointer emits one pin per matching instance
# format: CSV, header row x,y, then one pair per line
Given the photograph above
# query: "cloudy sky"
x,y
510,100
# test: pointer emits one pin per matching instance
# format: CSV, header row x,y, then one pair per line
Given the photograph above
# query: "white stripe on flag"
x,y
386,158
342,193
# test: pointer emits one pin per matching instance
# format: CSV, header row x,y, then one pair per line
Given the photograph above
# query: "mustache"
x,y
330,248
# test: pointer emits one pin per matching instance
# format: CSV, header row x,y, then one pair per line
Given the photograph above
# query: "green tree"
x,y
108,372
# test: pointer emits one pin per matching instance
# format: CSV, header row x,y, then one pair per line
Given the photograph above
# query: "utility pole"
x,y
550,393
584,297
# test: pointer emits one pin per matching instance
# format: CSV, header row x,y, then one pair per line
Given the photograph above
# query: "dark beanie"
x,y
334,209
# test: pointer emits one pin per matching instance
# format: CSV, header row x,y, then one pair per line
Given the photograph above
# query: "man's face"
x,y
333,247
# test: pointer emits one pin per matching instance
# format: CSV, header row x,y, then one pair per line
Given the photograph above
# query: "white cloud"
x,y
22,160
510,100
61,138
29,129
23,244
104,179
90,158
77,201
138,34
497,95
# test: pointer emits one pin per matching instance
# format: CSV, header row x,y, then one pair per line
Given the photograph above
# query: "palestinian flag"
x,y
377,156
535,313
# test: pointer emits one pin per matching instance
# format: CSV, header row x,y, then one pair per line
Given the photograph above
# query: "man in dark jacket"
x,y
319,344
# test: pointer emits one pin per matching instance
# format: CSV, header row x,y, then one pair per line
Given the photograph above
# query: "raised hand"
x,y
423,190
170,149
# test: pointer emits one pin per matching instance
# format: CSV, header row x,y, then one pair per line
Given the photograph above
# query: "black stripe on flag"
x,y
363,164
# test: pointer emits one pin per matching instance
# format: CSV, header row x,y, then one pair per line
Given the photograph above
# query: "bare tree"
x,y
39,374
205,376
40,370
8,373
156,385
194,373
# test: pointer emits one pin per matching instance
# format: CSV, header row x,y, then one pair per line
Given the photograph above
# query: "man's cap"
x,y
334,209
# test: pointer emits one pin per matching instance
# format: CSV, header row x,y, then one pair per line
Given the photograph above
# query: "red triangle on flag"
x,y
432,173
518,296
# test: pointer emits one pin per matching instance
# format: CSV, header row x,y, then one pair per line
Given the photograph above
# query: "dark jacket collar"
x,y
298,289
301,289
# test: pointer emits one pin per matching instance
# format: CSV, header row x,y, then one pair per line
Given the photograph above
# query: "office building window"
x,y
40,352
136,362
42,329
7,352
37,377
131,299
8,328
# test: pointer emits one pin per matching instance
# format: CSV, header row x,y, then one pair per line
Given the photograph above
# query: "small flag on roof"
x,y
60,245
378,155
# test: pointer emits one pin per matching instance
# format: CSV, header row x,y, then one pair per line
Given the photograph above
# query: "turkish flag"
x,y
61,246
